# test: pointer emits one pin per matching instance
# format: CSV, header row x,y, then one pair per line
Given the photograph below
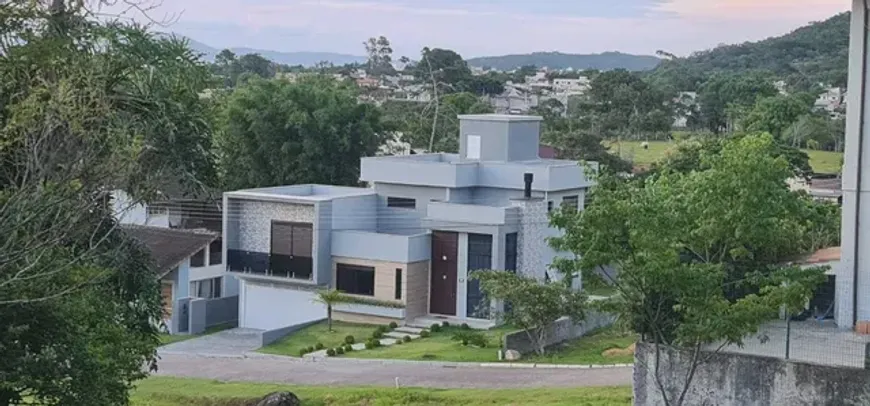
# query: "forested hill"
x,y
816,53
558,60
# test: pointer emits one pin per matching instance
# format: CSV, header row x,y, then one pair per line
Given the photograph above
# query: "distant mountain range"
x,y
554,60
286,58
558,60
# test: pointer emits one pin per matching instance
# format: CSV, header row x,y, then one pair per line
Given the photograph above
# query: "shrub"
x,y
398,342
303,351
349,340
475,338
348,348
445,324
339,350
377,334
370,344
435,328
464,326
424,334
382,329
330,352
393,324
309,349
319,346
464,343
406,339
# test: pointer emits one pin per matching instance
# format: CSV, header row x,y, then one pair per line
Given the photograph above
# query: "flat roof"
x,y
305,192
499,117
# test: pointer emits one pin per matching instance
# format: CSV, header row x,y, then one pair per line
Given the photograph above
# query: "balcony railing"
x,y
261,263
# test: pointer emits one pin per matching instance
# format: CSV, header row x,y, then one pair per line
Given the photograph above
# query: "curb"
x,y
441,364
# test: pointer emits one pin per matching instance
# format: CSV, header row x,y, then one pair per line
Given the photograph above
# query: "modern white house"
x,y
405,246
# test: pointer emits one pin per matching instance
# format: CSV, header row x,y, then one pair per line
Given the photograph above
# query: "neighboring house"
x,y
825,189
824,302
574,86
404,247
830,100
515,99
188,264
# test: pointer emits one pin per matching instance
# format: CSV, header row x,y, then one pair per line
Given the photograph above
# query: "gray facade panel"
x,y
380,246
493,139
523,141
355,213
323,244
403,220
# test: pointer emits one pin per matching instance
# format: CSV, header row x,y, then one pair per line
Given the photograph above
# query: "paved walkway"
x,y
377,373
233,342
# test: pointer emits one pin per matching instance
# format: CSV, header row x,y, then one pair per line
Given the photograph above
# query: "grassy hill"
x,y
816,53
558,60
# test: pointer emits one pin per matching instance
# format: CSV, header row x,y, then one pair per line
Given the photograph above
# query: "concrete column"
x,y
462,275
853,280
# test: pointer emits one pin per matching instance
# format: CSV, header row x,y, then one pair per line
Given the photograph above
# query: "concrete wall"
x,y
359,213
493,138
415,281
322,255
560,331
381,246
745,380
405,221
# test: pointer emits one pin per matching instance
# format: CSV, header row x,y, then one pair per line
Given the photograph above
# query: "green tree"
x,y
436,126
699,254
622,104
729,93
776,114
280,133
444,67
380,56
534,305
86,107
330,298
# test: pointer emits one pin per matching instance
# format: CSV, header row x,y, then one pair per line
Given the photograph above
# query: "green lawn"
x,y
821,161
169,338
588,349
439,347
318,333
163,391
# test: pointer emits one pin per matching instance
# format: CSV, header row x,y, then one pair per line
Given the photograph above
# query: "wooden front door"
x,y
442,294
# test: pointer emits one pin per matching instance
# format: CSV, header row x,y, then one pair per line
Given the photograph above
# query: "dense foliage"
x,y
86,107
558,60
817,53
274,132
699,254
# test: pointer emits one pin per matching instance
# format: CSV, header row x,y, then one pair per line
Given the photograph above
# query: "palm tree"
x,y
329,297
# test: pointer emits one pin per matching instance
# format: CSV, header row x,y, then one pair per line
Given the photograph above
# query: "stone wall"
x,y
745,380
560,331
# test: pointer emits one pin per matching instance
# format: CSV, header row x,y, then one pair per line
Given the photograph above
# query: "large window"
x,y
291,250
479,259
510,252
207,288
355,279
198,259
401,202
215,252
571,202
398,283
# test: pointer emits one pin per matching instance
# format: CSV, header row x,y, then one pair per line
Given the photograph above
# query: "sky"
x,y
486,27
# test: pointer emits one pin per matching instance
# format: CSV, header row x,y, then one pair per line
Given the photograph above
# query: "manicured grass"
x,y
825,161
439,347
169,338
821,161
318,333
164,391
588,349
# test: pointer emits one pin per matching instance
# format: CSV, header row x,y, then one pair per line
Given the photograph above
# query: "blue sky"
x,y
488,27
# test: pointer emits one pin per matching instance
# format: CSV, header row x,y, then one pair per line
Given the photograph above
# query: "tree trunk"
x,y
329,317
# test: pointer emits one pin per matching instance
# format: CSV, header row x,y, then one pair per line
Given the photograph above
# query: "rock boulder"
x,y
279,399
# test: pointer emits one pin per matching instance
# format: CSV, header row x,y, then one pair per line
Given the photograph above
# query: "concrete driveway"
x,y
414,374
228,343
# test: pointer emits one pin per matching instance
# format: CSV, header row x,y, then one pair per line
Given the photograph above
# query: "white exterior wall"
x,y
855,257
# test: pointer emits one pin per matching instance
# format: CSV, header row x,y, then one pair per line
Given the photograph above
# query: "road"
x,y
352,373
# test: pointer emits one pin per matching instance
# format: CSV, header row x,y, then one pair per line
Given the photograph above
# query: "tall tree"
x,y
312,131
699,254
723,94
624,105
380,56
87,107
778,113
